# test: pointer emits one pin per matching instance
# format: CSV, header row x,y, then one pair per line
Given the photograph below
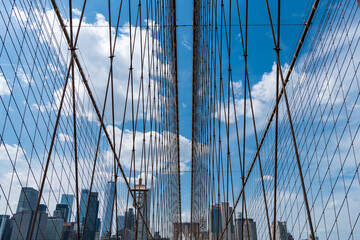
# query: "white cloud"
x,y
65,138
140,161
263,98
76,11
12,156
237,86
266,178
4,89
186,44
38,107
93,47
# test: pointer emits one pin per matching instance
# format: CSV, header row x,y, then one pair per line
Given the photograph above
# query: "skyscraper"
x,y
68,231
22,225
120,221
68,199
218,216
54,228
28,199
129,219
108,207
4,226
246,228
92,222
281,231
82,205
62,211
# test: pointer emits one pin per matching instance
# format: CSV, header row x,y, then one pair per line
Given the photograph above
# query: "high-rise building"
x,y
68,199
4,227
28,199
245,228
120,222
281,231
54,228
23,217
69,232
92,221
22,225
218,216
108,207
129,219
62,211
82,205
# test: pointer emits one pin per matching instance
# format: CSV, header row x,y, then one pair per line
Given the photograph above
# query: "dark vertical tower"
x,y
68,199
92,223
27,200
62,212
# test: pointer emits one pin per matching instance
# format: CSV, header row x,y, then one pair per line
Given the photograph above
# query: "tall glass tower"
x,y
28,199
92,222
68,199
108,205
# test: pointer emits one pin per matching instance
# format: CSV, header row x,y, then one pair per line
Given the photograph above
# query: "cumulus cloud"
x,y
266,178
142,157
263,97
13,170
4,89
76,11
93,47
65,138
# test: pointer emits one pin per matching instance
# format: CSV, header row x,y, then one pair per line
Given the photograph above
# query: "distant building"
x,y
62,211
42,208
281,231
28,199
186,231
108,207
245,228
68,199
22,219
218,216
5,227
69,232
82,205
92,221
22,225
54,228
120,222
129,220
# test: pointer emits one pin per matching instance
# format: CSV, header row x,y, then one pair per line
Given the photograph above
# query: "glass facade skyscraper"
x,y
218,215
28,199
245,228
92,222
68,199
108,205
